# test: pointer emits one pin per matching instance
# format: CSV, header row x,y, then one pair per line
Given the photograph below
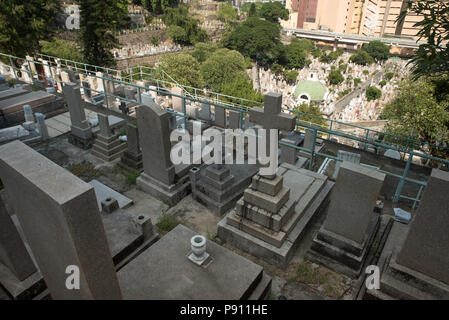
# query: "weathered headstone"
x,y
107,146
234,119
345,156
159,177
414,261
351,221
308,143
59,215
42,127
220,117
132,157
177,101
205,113
81,132
393,154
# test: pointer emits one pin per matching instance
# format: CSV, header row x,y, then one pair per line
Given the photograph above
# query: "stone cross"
x,y
272,117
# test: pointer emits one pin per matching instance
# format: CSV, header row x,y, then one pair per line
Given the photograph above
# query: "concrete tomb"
x,y
107,145
59,216
220,118
345,156
345,238
160,177
164,272
177,103
415,260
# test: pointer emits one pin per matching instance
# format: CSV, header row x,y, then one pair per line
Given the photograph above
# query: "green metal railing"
x,y
384,141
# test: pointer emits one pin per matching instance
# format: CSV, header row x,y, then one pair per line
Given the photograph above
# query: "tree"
x,y
204,50
273,11
226,12
295,56
290,76
24,23
252,10
432,57
157,6
256,38
335,77
328,57
377,50
62,49
99,19
180,17
178,35
313,110
362,58
241,86
184,68
221,68
373,93
416,113
389,76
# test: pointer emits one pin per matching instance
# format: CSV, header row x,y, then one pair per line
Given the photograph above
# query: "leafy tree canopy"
x,y
311,109
362,58
226,12
24,23
377,50
335,77
222,67
62,49
290,76
99,19
204,50
432,57
373,93
156,6
273,11
184,68
241,86
180,17
416,113
256,38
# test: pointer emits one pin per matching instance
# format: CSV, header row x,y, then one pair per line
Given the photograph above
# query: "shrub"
x,y
373,93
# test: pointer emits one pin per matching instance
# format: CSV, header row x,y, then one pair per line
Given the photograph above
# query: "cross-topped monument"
x,y
272,117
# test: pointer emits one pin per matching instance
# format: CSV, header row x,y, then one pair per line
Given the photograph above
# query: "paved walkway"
x,y
60,124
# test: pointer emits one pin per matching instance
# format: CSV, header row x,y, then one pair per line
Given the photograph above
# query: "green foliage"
x,y
226,12
222,67
24,23
373,93
252,10
277,69
313,110
295,56
366,72
154,41
335,77
157,6
377,50
180,17
85,171
184,68
99,19
416,113
389,76
432,57
362,58
204,50
273,11
316,53
178,35
62,49
290,76
328,57
167,222
241,86
256,38
382,83
357,81
130,175
343,67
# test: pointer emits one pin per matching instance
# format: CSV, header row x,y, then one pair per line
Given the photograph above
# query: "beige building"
x,y
376,18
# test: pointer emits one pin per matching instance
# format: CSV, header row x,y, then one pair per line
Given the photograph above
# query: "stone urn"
x,y
198,244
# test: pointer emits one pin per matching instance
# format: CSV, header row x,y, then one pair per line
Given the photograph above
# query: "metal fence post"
x,y
398,192
105,91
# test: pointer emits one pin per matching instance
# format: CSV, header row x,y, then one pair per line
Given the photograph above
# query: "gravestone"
x,y
160,177
274,211
59,215
81,132
220,117
351,222
393,154
177,101
308,143
415,257
132,157
205,113
234,119
345,156
289,154
42,127
107,145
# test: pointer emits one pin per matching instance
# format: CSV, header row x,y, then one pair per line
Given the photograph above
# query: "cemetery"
x,y
89,184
